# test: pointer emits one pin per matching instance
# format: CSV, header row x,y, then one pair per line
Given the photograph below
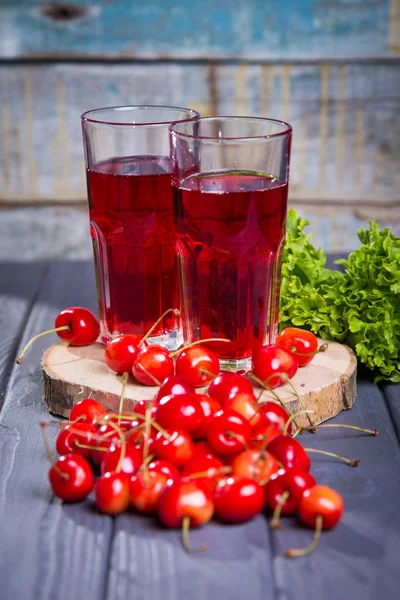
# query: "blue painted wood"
x,y
201,28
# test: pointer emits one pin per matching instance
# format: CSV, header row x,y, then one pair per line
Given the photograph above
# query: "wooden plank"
x,y
352,557
48,550
18,287
202,28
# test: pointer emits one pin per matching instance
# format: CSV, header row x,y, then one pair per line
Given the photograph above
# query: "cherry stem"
x,y
185,537
232,434
225,470
176,312
39,335
197,343
123,445
95,448
322,348
121,398
159,428
146,462
156,381
43,426
292,418
300,401
266,437
352,462
297,552
275,521
316,427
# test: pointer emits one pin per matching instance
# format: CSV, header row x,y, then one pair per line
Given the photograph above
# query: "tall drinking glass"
x,y
230,182
131,218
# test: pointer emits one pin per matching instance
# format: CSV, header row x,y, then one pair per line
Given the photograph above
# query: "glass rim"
x,y
85,116
286,128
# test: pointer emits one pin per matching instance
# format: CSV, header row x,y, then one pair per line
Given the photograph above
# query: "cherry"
x,y
229,433
74,436
87,409
273,413
106,436
174,386
145,489
174,445
76,325
226,385
246,405
208,470
112,493
197,365
285,489
152,365
274,365
202,450
165,467
139,438
255,464
183,412
142,405
209,406
289,452
263,434
238,499
302,344
124,421
71,477
121,352
131,459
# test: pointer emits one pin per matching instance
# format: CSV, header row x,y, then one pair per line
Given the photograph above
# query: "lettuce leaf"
x,y
359,307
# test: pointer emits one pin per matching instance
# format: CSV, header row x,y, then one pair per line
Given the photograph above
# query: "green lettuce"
x,y
359,306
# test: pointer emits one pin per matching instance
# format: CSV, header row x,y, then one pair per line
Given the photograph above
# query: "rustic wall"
x,y
330,67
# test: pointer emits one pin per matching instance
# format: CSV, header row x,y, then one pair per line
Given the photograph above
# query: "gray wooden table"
x,y
54,551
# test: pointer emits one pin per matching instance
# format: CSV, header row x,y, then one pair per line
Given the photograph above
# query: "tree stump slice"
x,y
326,386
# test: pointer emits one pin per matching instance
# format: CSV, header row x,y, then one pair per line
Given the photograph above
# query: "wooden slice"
x,y
326,386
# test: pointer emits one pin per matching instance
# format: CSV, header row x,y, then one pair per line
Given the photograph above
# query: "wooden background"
x,y
329,67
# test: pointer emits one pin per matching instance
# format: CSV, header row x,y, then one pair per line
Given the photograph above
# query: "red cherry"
x,y
121,352
124,422
263,434
275,414
273,365
130,463
254,464
291,480
145,490
202,450
174,386
183,412
155,360
303,345
176,448
209,406
74,434
192,363
229,433
108,437
212,468
142,405
137,440
83,326
185,498
71,477
238,499
321,500
246,405
87,410
226,385
112,493
165,467
289,452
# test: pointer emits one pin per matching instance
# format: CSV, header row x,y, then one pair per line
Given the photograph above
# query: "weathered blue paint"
x,y
260,29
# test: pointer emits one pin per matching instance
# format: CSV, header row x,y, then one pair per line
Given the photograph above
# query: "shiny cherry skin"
x,y
174,386
88,410
191,363
229,433
273,365
263,434
302,344
202,450
138,438
289,452
246,405
72,435
238,499
145,490
210,407
254,464
291,480
183,412
185,498
84,328
226,385
121,352
273,413
321,500
212,467
112,493
71,477
122,421
165,467
130,463
142,405
177,448
157,361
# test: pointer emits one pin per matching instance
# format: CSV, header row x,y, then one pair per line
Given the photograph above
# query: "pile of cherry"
x,y
187,456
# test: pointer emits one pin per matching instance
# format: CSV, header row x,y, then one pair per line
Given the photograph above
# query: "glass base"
x,y
171,341
239,365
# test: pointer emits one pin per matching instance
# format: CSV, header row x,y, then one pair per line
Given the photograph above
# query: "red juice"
x,y
132,228
231,228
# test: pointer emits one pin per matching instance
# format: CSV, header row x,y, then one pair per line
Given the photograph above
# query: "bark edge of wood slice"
x,y
326,386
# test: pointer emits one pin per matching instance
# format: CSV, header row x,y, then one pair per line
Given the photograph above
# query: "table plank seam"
x,y
108,561
389,408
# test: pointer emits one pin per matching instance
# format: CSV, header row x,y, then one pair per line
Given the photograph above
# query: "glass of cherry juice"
x,y
131,218
230,185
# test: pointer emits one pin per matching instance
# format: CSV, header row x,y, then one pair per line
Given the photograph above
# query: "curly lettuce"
x,y
359,307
